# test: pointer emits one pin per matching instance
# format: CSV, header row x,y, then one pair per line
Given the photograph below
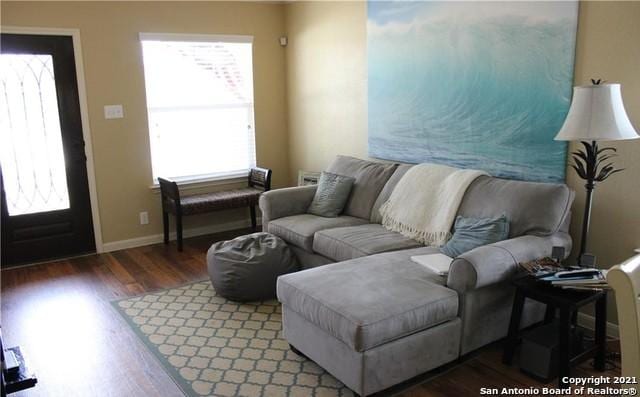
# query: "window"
x,y
200,105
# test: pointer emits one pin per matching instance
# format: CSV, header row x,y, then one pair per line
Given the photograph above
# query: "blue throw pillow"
x,y
469,233
332,195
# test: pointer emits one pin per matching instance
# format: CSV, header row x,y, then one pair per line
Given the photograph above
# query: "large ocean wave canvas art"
x,y
482,85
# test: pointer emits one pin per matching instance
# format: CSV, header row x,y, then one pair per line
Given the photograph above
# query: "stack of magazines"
x,y
581,279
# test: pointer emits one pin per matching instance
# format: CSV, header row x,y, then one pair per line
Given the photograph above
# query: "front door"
x,y
46,209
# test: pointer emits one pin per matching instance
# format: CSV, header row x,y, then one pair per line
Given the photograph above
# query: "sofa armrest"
x,y
289,201
494,263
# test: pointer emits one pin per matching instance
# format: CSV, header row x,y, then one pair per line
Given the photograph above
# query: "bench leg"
x,y
165,226
179,231
253,217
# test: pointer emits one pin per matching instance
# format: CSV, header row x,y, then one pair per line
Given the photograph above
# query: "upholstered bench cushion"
x,y
344,243
299,229
369,301
222,200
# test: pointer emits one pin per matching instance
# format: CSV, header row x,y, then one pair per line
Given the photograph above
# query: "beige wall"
x,y
608,47
114,74
326,82
326,92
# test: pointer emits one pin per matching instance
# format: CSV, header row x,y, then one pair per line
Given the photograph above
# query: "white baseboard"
x,y
589,322
158,238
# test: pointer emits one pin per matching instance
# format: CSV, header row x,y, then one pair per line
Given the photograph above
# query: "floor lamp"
x,y
596,114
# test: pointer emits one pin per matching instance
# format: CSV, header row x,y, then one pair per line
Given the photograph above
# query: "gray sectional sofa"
x,y
372,317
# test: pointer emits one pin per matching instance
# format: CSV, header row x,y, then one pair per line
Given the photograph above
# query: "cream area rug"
x,y
215,347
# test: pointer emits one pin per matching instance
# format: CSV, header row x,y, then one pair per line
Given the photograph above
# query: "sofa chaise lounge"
x,y
372,317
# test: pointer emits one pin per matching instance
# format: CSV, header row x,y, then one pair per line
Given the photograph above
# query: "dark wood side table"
x,y
567,302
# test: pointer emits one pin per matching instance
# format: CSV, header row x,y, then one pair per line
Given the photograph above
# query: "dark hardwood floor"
x,y
61,316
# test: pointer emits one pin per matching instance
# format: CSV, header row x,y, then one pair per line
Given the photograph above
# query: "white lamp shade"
x,y
597,114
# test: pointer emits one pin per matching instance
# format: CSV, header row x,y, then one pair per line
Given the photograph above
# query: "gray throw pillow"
x,y
332,195
469,233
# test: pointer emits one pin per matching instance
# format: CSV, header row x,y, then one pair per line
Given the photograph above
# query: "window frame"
x,y
210,179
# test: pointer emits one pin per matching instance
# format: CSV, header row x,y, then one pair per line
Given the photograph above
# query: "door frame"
x,y
84,114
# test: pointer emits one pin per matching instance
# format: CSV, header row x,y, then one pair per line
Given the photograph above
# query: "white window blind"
x,y
200,105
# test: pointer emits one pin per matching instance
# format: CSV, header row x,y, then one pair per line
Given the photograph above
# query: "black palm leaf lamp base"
x,y
596,114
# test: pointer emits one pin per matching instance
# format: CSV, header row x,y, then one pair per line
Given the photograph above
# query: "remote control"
x,y
578,273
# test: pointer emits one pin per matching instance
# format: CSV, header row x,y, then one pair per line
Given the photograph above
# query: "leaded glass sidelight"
x,y
31,150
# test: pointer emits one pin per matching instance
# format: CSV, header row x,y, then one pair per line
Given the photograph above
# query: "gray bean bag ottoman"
x,y
247,267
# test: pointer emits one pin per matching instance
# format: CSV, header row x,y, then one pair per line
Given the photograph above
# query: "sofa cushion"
x,y
343,243
299,229
370,178
386,191
531,207
391,297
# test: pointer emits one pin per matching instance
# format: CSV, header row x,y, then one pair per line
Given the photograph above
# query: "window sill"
x,y
206,181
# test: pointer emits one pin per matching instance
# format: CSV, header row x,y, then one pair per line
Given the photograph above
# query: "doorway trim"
x,y
84,114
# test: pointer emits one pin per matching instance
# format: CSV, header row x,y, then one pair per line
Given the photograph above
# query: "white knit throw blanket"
x,y
425,201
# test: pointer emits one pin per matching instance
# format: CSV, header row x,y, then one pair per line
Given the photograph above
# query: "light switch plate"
x,y
113,112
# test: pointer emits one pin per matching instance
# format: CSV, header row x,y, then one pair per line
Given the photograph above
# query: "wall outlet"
x,y
144,218
113,112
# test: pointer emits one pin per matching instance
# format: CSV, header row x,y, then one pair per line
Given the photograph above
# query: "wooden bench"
x,y
259,181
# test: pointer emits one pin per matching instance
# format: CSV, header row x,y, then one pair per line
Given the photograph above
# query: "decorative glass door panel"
x,y
45,206
31,153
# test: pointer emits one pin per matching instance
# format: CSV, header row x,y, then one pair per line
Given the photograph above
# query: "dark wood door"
x,y
46,208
